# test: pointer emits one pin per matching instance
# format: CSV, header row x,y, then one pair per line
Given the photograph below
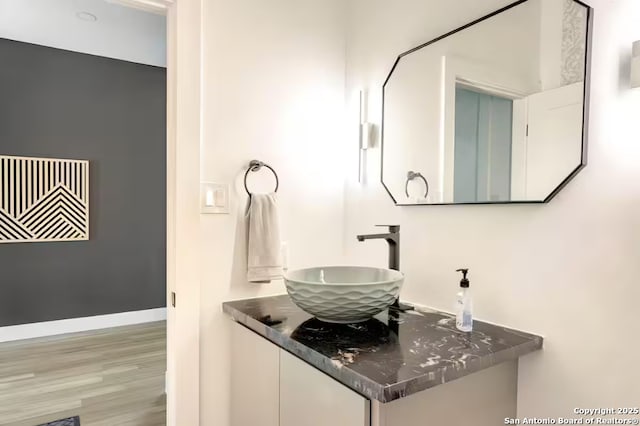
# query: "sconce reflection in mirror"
x,y
411,175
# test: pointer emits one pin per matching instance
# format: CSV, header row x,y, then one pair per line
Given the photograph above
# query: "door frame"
x,y
183,217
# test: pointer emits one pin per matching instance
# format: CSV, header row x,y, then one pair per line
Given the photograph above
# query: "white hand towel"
x,y
264,255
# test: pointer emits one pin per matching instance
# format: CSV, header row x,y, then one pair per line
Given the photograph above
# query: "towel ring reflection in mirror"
x,y
256,165
411,175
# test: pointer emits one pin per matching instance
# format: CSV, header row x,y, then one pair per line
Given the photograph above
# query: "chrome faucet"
x,y
393,240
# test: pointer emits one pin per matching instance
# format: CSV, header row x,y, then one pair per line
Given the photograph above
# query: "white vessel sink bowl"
x,y
344,294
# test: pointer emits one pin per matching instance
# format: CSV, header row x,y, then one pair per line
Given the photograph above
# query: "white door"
x,y
311,398
255,368
554,144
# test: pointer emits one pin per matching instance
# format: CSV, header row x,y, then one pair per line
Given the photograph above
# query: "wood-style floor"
x,y
112,377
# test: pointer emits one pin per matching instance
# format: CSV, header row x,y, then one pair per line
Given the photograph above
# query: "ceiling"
x,y
119,32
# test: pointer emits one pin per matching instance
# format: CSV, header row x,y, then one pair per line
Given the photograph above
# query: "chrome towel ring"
x,y
255,166
411,175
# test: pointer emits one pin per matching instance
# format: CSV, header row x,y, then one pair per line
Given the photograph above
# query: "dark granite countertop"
x,y
390,356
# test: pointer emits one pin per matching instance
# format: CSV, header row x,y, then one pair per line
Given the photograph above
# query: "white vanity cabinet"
x,y
255,379
270,387
419,370
311,398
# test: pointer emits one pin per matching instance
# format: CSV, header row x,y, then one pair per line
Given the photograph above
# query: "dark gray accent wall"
x,y
60,104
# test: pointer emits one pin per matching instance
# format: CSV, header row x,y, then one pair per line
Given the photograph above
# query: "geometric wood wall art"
x,y
43,200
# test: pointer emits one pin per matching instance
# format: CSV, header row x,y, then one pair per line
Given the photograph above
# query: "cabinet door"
x,y
254,379
311,398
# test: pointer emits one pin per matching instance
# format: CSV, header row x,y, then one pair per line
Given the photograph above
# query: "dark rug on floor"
x,y
71,421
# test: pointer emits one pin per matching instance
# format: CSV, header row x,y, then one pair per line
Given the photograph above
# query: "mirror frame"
x,y
585,107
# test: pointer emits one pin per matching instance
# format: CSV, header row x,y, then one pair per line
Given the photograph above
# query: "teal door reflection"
x,y
483,134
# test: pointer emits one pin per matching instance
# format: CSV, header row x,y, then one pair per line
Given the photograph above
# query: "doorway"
x,y
97,106
482,165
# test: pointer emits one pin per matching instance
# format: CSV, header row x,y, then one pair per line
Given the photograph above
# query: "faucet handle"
x,y
392,228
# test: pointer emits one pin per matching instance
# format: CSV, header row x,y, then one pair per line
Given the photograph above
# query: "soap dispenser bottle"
x,y
464,305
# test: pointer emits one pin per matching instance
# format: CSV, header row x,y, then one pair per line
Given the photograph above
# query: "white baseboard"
x,y
75,325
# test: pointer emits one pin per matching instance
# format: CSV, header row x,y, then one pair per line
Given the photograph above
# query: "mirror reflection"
x,y
492,113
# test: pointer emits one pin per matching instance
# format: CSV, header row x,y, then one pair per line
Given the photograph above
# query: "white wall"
x,y
120,32
565,269
273,89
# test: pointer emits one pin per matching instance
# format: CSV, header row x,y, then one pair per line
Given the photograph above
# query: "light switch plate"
x,y
214,198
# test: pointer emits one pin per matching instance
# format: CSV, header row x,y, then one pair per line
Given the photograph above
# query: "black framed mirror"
x,y
493,112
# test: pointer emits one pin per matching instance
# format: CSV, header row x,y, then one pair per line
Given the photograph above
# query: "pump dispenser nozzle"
x,y
464,282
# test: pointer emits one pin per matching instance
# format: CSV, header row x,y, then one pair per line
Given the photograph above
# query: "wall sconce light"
x,y
635,64
364,138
